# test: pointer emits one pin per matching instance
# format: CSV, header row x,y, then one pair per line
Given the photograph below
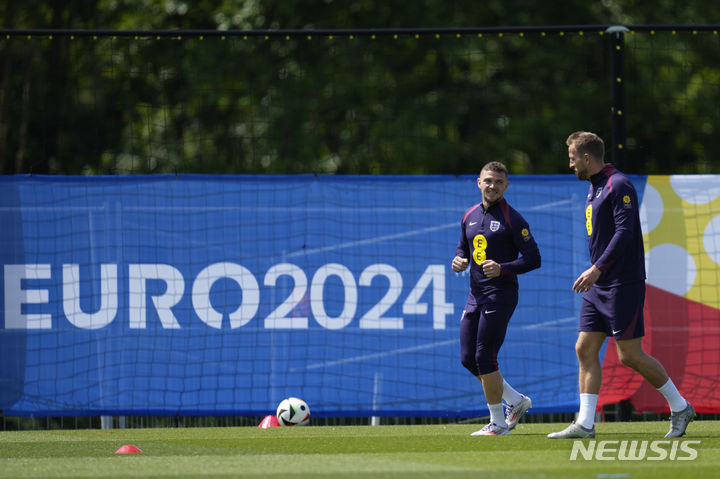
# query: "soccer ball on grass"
x,y
293,412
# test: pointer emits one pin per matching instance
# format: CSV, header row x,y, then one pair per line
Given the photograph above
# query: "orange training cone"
x,y
269,421
128,449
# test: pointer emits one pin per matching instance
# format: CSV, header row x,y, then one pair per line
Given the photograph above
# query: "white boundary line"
x,y
376,355
414,348
377,239
550,323
454,224
550,205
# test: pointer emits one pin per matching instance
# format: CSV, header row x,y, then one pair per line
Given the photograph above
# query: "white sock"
x,y
672,395
586,415
497,414
510,395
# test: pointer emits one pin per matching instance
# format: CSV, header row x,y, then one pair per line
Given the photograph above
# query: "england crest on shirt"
x,y
494,225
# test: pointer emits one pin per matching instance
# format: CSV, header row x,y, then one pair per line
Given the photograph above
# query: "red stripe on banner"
x,y
684,336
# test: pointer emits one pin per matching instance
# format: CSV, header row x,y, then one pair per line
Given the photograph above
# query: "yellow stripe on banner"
x,y
681,221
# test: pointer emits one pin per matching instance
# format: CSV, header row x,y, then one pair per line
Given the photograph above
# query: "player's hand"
x,y
586,279
459,264
490,268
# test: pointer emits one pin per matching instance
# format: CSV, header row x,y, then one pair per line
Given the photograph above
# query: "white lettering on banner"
x,y
317,301
16,296
201,294
435,274
278,318
108,297
374,319
18,293
173,279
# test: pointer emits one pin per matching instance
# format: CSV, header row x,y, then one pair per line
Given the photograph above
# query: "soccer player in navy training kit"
x,y
613,287
493,234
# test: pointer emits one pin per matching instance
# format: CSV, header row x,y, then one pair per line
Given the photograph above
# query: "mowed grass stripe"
x,y
438,451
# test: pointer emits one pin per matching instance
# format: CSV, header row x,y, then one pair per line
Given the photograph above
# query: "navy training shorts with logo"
x,y
614,310
482,332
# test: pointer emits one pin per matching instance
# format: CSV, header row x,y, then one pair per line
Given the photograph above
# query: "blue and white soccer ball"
x,y
293,412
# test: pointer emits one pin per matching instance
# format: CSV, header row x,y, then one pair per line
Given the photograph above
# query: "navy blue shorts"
x,y
616,310
482,332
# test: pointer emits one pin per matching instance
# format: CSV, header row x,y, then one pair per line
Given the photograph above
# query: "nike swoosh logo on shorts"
x,y
617,332
488,312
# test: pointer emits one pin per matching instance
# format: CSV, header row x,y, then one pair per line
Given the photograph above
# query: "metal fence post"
x,y
617,86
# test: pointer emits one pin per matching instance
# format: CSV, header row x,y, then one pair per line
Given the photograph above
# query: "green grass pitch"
x,y
437,451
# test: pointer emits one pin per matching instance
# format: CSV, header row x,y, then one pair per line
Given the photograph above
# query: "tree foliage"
x,y
422,104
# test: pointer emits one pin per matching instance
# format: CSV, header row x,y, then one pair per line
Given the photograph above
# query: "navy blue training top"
x,y
499,234
612,220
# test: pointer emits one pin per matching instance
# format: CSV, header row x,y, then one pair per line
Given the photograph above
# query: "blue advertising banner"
x,y
225,294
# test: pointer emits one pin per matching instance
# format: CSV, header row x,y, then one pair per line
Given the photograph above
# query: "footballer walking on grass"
x,y
613,287
492,238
